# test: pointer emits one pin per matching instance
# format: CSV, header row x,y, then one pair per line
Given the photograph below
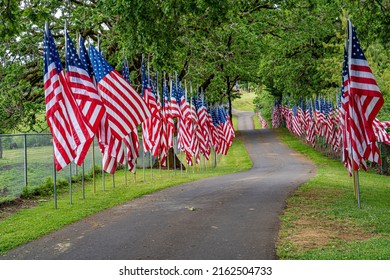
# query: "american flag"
x,y
338,119
132,144
261,120
84,57
151,103
148,128
185,126
125,70
131,141
296,124
168,126
124,106
380,131
363,100
220,143
168,116
175,101
204,131
65,121
310,125
109,146
225,138
228,127
277,114
85,94
156,123
195,135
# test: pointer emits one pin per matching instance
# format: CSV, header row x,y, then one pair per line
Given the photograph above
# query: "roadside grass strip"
x,y
245,102
322,221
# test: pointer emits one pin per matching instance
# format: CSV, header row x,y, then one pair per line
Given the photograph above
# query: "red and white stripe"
x,y
124,106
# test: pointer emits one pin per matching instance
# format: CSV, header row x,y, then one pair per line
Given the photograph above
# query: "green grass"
x,y
39,167
257,124
245,102
322,220
29,224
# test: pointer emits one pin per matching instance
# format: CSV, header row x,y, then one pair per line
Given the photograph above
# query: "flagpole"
x,y
93,166
177,134
151,165
70,183
150,158
356,186
70,164
126,173
83,181
143,160
103,179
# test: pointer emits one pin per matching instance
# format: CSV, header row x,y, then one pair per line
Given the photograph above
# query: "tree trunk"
x,y
171,161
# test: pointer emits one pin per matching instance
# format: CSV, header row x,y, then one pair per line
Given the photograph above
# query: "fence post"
x,y
25,160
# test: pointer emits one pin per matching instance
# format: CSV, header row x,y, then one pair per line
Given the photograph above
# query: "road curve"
x,y
231,217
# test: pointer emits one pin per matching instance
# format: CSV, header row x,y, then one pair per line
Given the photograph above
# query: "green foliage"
x,y
264,102
245,102
46,188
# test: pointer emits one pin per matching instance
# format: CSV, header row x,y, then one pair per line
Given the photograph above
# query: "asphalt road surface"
x,y
229,217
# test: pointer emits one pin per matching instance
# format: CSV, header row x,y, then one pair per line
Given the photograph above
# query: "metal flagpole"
x,y
113,181
143,159
93,166
151,165
150,152
83,180
103,179
55,184
126,174
168,165
70,183
181,162
25,159
177,134
355,173
54,162
356,186
126,159
70,164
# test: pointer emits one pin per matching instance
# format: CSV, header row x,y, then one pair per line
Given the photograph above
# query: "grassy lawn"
x,y
257,124
322,220
245,102
30,223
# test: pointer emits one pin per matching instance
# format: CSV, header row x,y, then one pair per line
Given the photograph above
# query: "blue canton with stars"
x,y
72,59
357,52
50,53
100,66
83,55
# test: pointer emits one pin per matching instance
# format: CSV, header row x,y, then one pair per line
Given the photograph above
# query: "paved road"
x,y
228,217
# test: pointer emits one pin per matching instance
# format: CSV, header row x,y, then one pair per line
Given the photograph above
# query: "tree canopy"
x,y
288,47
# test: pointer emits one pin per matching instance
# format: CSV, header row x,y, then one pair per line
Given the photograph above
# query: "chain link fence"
x,y
327,150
